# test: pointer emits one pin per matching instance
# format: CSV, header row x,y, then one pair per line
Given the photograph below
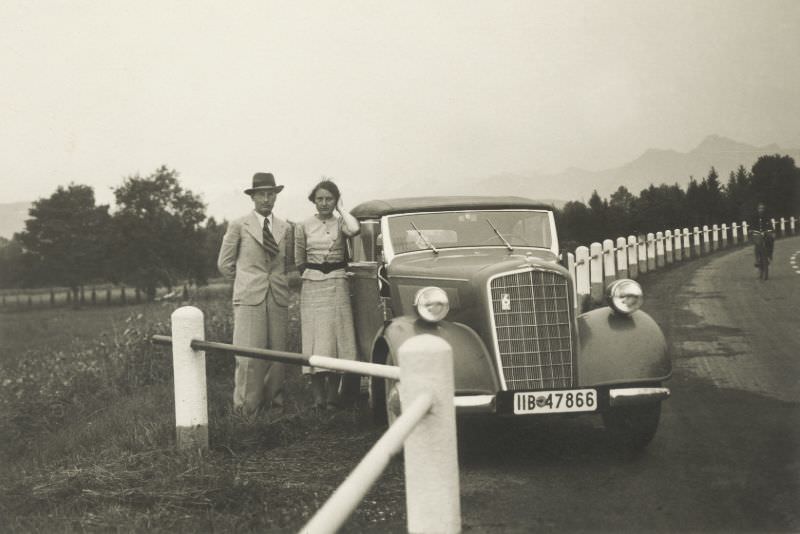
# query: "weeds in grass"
x,y
88,427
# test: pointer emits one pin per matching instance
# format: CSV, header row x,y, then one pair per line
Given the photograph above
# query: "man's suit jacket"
x,y
243,258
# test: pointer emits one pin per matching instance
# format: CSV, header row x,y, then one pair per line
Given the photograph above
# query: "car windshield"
x,y
434,231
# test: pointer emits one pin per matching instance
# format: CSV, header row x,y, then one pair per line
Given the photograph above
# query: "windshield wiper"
x,y
425,239
503,239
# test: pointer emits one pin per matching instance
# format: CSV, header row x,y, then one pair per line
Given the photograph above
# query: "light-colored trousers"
x,y
259,383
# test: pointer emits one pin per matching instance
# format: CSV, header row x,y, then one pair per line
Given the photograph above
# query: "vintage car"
x,y
484,274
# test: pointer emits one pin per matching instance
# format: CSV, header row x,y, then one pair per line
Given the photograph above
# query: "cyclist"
x,y
763,224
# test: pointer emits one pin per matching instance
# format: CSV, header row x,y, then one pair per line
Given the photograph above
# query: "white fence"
x,y
425,431
599,264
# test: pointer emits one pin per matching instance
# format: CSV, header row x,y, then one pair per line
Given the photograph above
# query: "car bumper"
x,y
616,396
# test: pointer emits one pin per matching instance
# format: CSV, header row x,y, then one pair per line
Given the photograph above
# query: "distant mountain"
x,y
654,166
12,218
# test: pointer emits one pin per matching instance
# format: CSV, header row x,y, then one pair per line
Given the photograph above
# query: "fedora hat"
x,y
263,181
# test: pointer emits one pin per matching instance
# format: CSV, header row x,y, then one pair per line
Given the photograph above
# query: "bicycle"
x,y
761,253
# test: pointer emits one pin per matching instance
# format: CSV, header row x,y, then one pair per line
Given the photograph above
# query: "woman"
x,y
325,314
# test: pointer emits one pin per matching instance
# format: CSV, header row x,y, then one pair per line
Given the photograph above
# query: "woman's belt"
x,y
326,267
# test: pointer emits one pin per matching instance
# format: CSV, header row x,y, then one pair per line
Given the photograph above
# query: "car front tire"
x,y
632,427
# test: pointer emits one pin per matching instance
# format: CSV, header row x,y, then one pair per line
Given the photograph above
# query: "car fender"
x,y
617,348
472,367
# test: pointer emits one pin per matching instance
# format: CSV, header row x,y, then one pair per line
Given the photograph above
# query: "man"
x,y
763,224
253,254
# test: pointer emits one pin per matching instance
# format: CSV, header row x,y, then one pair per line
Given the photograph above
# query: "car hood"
x,y
470,264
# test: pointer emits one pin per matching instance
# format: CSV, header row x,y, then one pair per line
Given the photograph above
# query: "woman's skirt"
x,y
326,320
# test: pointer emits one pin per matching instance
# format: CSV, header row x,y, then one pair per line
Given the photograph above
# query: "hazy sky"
x,y
379,92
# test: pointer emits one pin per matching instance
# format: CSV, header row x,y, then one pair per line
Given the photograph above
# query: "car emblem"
x,y
505,302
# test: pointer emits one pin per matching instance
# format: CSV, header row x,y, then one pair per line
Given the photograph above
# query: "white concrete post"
x,y
773,222
791,224
582,281
189,366
609,263
622,257
687,244
783,226
714,237
678,247
642,253
596,272
573,275
431,454
734,233
651,252
696,242
745,226
633,261
659,249
668,254
706,240
724,235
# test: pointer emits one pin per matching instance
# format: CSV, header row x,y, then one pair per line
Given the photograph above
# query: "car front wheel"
x,y
385,397
632,427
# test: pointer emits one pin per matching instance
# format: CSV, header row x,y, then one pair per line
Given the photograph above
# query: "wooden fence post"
x,y
734,233
791,224
431,455
189,368
642,254
582,282
669,256
678,249
609,263
633,261
622,257
596,272
724,235
659,250
696,242
651,252
783,227
714,237
706,240
745,228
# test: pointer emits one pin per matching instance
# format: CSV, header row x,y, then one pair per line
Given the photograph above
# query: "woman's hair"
x,y
328,186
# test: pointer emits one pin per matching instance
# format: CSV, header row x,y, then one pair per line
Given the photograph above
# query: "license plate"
x,y
566,400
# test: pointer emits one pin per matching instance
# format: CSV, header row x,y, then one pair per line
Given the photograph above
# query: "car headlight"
x,y
625,296
432,304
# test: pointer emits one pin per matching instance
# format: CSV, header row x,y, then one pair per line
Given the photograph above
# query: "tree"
x,y
575,225
12,262
212,238
738,194
157,236
65,238
776,182
714,201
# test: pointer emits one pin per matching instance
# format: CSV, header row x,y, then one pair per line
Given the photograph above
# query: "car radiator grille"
x,y
532,324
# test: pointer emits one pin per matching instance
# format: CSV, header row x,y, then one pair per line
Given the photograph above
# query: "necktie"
x,y
269,241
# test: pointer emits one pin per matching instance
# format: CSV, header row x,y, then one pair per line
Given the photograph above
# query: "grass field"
x,y
87,426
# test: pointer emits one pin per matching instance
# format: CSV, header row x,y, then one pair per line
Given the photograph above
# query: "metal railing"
x,y
425,431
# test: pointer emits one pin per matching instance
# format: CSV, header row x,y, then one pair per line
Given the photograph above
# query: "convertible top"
x,y
374,209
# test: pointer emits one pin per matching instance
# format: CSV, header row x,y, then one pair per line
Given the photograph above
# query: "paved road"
x,y
727,455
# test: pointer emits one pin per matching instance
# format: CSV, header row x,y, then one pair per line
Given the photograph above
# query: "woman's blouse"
x,y
320,241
